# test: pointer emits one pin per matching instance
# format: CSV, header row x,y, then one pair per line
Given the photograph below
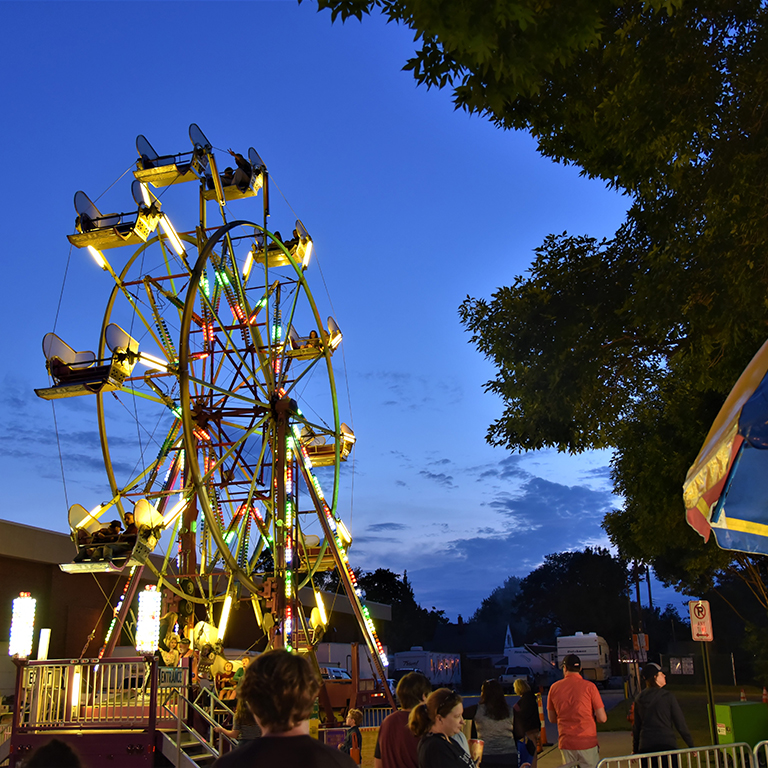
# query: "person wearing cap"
x,y
185,649
657,716
575,706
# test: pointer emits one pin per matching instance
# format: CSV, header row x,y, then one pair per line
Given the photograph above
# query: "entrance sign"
x,y
701,621
171,677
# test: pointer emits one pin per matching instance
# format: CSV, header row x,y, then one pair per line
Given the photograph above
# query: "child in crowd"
x,y
353,741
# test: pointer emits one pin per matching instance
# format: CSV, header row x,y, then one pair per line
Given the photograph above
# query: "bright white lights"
x,y
148,621
43,644
344,534
170,233
174,513
225,616
153,362
321,608
307,254
248,264
98,256
22,625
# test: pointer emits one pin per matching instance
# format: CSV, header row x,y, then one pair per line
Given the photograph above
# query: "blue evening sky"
x,y
412,207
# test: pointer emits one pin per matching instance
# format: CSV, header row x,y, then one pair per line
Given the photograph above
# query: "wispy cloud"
x,y
438,477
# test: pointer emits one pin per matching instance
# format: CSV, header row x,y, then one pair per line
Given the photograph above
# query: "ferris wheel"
x,y
216,397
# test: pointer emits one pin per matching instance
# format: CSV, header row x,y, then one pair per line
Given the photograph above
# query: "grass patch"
x,y
693,702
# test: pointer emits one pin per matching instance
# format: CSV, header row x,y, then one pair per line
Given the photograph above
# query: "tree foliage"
x,y
576,592
498,611
631,343
411,624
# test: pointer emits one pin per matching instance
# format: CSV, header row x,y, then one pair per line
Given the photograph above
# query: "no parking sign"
x,y
701,621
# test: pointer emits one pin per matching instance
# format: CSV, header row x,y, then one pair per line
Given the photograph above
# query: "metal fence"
x,y
91,693
373,716
737,755
760,754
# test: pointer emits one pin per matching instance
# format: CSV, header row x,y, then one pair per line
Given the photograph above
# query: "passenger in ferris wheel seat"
x,y
100,542
280,688
127,540
108,538
228,177
242,179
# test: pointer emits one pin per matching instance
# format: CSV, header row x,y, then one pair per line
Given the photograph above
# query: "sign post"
x,y
701,631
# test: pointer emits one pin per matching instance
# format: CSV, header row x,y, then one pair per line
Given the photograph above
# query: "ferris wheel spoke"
x,y
223,328
140,315
309,368
257,405
228,453
166,344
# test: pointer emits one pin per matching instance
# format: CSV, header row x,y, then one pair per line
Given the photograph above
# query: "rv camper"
x,y
593,652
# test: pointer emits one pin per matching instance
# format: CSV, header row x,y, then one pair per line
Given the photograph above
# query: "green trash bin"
x,y
742,721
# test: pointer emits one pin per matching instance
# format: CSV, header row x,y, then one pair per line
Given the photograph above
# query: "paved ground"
x,y
612,744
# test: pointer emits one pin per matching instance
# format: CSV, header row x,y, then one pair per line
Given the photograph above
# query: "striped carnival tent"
x,y
726,489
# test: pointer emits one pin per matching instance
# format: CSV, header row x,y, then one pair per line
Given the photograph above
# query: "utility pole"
x,y
648,579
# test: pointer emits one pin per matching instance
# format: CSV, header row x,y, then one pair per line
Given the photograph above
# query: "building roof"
x,y
25,542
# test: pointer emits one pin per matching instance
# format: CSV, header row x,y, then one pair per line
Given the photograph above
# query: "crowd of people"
x,y
276,693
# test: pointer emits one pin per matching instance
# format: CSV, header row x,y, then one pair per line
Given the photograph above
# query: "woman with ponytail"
x,y
435,722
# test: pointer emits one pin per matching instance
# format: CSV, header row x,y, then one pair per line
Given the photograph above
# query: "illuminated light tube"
x,y
174,513
335,341
22,625
98,256
307,254
148,620
344,534
248,264
153,362
43,644
89,518
145,196
321,608
77,678
226,608
170,233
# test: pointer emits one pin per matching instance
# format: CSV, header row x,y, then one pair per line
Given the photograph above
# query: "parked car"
x,y
510,674
334,673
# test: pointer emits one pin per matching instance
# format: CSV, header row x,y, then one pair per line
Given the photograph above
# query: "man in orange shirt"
x,y
574,705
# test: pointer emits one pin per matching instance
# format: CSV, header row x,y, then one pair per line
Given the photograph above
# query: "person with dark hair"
x,y
657,716
396,746
242,176
574,705
435,722
495,726
280,689
54,753
526,716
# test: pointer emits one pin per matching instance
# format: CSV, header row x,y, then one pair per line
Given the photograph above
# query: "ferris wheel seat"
x,y
142,548
164,170
103,231
79,373
166,174
232,192
104,235
310,558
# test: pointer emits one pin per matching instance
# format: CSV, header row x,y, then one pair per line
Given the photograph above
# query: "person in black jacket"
x,y
657,716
